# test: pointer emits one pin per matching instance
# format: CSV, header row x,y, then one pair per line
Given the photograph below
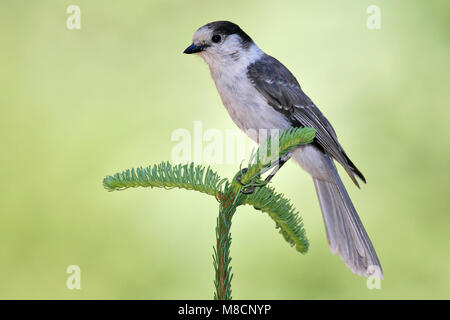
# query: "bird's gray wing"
x,y
283,92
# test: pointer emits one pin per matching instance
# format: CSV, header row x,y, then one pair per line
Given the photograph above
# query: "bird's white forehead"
x,y
202,35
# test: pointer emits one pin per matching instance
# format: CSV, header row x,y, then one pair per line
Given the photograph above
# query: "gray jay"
x,y
261,93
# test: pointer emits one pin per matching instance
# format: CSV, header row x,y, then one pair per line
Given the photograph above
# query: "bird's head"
x,y
221,43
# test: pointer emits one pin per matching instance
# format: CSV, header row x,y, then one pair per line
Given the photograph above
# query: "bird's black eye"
x,y
216,38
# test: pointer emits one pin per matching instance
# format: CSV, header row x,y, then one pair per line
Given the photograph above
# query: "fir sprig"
x,y
267,155
165,175
230,195
283,213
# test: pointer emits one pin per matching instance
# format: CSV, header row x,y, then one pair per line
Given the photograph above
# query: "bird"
x,y
260,93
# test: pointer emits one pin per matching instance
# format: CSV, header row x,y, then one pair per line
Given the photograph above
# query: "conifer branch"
x,y
167,176
230,195
221,257
283,213
266,156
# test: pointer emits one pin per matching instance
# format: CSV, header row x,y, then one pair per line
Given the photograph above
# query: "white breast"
x,y
250,111
246,106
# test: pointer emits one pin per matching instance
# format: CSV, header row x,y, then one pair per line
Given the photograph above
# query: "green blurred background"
x,y
77,105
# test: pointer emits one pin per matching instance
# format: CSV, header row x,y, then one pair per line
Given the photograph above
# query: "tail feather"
x,y
345,231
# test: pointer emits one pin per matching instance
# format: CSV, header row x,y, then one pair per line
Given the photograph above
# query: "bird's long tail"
x,y
345,231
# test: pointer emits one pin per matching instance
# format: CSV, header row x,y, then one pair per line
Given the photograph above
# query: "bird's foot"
x,y
247,189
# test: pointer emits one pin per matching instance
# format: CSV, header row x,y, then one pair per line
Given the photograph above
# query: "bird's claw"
x,y
247,189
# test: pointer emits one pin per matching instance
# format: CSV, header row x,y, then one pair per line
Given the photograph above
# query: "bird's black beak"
x,y
194,49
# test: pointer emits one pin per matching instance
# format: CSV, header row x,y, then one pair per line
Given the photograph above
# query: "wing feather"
x,y
283,92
